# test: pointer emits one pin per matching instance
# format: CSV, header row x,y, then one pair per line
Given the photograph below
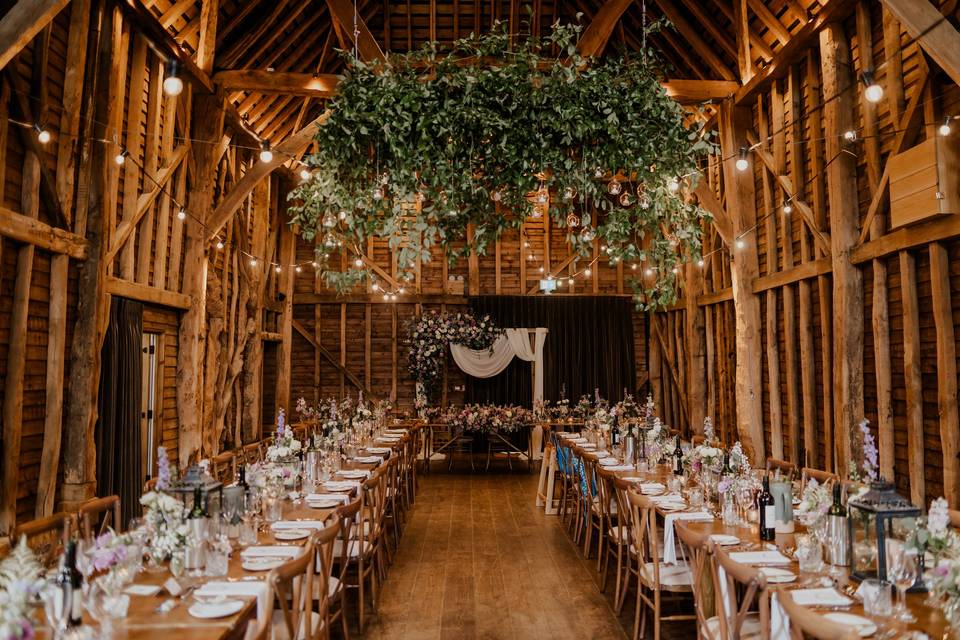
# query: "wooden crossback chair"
x,y
293,595
342,562
785,468
251,453
47,536
224,467
697,551
323,543
737,587
618,537
806,623
607,508
98,514
823,477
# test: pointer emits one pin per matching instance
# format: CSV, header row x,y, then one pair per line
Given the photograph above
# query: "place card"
x,y
173,587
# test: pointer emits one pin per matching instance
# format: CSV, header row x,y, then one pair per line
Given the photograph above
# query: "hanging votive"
x,y
598,173
573,220
496,196
625,199
329,220
330,241
378,193
588,234
614,187
569,193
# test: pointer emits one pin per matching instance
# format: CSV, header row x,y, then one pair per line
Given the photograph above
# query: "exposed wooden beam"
x,y
689,91
206,47
769,20
32,231
692,36
936,35
346,16
722,221
282,153
595,36
23,22
321,85
148,294
330,298
346,373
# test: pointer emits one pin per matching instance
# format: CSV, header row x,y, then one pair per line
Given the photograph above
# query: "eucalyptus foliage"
x,y
492,134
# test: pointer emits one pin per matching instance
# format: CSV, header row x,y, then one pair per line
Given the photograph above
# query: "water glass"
x,y
902,569
248,531
695,498
809,554
217,560
877,597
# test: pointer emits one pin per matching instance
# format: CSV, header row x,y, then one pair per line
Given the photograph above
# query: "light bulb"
x,y
873,92
277,269
378,193
850,135
120,158
614,260
633,266
375,287
526,245
742,163
43,136
253,262
614,187
298,268
172,85
587,272
673,185
787,207
401,290
315,264
342,215
648,272
358,263
570,281
700,263
386,297
266,155
541,269
529,256
219,245
740,243
603,248
329,220
945,127
181,214
305,174
676,270
543,195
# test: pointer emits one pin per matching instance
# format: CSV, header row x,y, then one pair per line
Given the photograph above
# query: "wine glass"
x,y
54,607
744,497
903,572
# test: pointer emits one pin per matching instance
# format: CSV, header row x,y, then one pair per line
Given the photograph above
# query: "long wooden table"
x,y
145,622
929,620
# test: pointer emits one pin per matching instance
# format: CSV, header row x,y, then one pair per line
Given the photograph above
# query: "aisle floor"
x,y
479,560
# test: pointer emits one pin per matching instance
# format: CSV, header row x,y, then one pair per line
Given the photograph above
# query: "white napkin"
x,y
378,449
396,432
256,588
281,525
339,497
607,462
634,479
820,597
354,473
341,485
669,547
647,488
620,467
759,557
779,622
368,459
272,551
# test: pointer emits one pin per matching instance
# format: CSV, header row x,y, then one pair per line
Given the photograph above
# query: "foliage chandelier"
x,y
493,134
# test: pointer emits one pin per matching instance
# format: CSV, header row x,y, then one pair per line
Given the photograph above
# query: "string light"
x,y
305,174
43,136
401,291
182,215
673,185
873,92
253,262
266,155
648,272
375,287
700,263
850,135
298,268
172,84
740,243
120,158
358,262
277,269
541,269
787,207
945,127
386,297
219,244
587,272
742,163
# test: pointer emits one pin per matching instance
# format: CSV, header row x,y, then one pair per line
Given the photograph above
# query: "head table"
x,y
147,620
929,620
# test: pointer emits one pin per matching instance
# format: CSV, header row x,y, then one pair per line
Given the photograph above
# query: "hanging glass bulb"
x,y
496,196
378,193
543,195
569,193
598,173
329,241
588,234
625,199
573,220
614,187
342,215
329,220
537,213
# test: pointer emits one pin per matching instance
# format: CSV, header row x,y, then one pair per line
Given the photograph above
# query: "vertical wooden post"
x,y
839,114
696,349
741,203
912,376
288,256
946,370
207,127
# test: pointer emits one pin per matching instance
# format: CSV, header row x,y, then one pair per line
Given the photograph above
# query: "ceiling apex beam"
x,y
321,85
696,42
692,91
595,37
355,30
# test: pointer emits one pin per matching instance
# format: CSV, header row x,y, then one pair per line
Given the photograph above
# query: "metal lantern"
x,y
875,517
210,489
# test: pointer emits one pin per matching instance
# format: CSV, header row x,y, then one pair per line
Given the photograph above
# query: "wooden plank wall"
x,y
910,307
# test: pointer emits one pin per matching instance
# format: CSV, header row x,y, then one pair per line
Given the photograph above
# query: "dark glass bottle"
x,y
643,444
678,458
242,482
727,471
768,512
837,508
71,585
615,432
197,511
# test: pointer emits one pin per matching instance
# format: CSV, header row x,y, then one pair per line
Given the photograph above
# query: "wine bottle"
x,y
768,512
615,432
197,511
678,458
727,471
70,582
643,444
837,508
242,482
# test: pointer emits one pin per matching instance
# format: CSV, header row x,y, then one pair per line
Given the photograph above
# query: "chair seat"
x,y
596,507
618,533
672,576
279,627
353,550
750,630
333,585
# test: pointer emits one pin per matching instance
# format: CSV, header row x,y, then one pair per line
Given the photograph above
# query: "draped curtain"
x,y
515,342
119,406
590,346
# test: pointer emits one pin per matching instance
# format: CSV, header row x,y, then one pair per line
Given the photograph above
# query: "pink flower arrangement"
x,y
433,331
478,418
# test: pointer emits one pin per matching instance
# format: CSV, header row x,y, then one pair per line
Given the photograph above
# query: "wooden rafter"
x,y
30,230
695,41
595,37
769,20
349,375
23,22
288,83
936,35
345,15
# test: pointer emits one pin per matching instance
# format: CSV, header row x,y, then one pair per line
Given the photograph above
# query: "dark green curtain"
x,y
119,405
590,346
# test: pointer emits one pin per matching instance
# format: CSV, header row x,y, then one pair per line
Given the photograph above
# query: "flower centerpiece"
x,y
486,419
584,408
21,581
815,501
305,412
627,411
165,521
863,465
934,535
285,447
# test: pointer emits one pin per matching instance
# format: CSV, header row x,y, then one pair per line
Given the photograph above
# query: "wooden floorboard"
x,y
479,560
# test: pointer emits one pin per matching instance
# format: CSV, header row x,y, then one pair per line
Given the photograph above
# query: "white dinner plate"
x,y
725,540
215,609
261,564
672,506
864,626
777,576
323,504
291,534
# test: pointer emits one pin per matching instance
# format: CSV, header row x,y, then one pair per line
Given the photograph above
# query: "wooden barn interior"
x,y
828,291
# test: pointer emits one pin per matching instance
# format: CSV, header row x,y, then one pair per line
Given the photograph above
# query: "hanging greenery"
x,y
419,146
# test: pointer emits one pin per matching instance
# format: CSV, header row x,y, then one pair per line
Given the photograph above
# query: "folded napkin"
x,y
608,462
354,473
379,449
578,440
760,557
620,467
368,459
341,485
588,446
396,432
339,497
667,498
272,551
824,597
246,588
569,435
669,547
647,488
634,479
281,525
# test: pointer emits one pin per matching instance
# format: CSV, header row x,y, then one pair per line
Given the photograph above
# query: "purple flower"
x,y
163,469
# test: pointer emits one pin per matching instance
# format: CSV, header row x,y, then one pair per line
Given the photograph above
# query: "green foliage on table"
x,y
420,145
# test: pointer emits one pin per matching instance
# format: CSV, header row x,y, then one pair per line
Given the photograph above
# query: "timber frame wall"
x,y
824,315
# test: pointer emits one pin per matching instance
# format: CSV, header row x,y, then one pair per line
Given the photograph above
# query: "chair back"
x,y
323,542
293,587
374,504
224,467
806,623
606,492
737,587
785,468
697,550
645,541
624,515
47,536
251,453
105,511
823,477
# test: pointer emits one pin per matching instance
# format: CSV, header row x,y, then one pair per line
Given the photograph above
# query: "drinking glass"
x,y
877,597
54,607
903,571
695,498
809,553
217,557
744,497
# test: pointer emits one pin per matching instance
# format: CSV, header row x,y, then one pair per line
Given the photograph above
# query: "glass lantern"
x,y
210,489
876,517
